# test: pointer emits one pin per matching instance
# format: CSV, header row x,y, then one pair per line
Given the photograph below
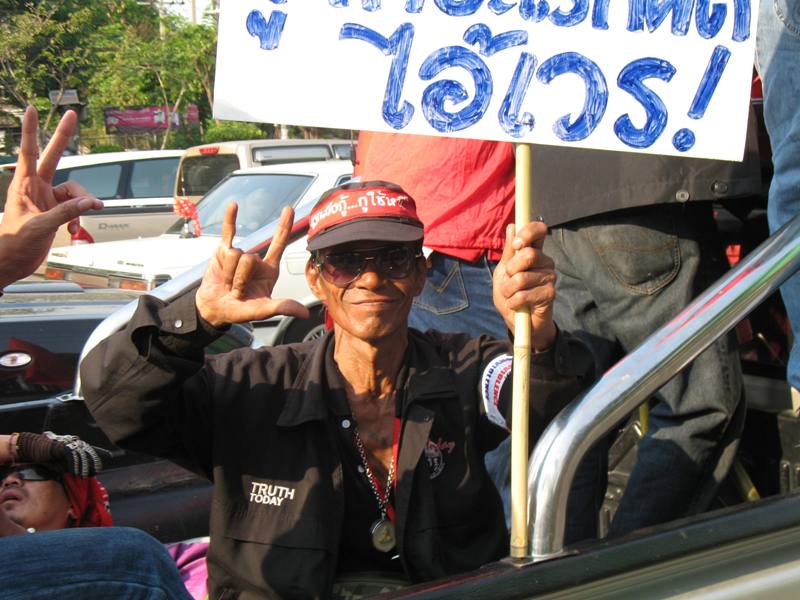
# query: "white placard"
x,y
656,76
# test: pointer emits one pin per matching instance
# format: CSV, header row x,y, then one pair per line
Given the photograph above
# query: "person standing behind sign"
x,y
777,58
634,241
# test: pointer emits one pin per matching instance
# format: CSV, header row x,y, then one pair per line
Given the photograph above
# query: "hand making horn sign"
x,y
237,286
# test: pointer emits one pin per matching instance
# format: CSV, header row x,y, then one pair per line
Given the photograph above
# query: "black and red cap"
x,y
363,211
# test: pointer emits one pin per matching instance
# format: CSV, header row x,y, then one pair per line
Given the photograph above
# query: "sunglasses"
x,y
29,473
343,268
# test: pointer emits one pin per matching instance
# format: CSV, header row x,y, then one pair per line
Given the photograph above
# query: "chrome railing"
x,y
176,286
626,385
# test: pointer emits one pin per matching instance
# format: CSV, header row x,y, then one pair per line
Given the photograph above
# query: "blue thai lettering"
x,y
600,14
489,45
339,3
709,22
741,20
512,122
437,94
594,106
656,11
371,5
533,10
580,8
459,8
268,32
711,77
414,6
396,112
499,7
631,80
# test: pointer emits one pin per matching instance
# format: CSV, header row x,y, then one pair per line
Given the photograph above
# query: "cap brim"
x,y
367,230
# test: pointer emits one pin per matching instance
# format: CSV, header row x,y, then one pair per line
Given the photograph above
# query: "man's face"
x,y
42,505
376,303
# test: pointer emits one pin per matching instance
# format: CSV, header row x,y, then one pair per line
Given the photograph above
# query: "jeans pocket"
x,y
788,12
444,292
640,250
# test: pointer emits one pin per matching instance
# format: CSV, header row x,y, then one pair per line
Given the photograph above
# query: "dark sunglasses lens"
x,y
31,473
341,269
395,262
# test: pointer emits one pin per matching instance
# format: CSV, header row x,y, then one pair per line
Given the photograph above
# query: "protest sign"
x,y
657,76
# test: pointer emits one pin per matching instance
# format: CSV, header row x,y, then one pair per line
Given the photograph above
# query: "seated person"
x,y
360,451
42,493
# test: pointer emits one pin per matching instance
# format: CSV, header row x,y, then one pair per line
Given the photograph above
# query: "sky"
x,y
185,8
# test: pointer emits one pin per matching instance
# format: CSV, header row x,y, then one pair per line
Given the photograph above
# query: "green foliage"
x,y
98,148
183,138
223,131
116,53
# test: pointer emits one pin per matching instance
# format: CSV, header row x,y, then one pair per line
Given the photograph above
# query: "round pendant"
x,y
382,532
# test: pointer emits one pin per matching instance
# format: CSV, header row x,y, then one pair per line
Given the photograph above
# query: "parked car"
x,y
43,328
261,193
136,188
202,167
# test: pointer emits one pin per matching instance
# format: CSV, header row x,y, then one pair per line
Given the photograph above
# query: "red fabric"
x,y
46,368
187,209
89,501
464,189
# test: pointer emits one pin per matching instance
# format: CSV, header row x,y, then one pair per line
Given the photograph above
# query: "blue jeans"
x,y
458,298
88,564
621,275
777,60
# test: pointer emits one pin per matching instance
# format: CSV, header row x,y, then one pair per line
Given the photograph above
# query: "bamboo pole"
x,y
521,375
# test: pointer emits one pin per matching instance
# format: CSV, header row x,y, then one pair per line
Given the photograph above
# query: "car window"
x,y
198,174
344,151
153,178
260,198
283,154
100,180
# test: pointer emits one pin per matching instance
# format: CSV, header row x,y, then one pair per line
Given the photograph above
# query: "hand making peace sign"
x,y
237,286
35,209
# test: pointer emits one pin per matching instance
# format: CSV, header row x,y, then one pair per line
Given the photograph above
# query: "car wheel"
x,y
303,330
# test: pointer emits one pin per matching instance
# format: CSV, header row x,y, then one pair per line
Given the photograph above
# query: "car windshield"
x,y
198,174
260,197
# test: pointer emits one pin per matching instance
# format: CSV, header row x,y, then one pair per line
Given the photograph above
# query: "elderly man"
x,y
361,451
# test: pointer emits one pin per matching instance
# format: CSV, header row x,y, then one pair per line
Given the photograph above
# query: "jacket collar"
x,y
305,399
428,378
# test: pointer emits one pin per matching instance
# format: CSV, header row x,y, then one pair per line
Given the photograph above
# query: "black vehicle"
x,y
43,328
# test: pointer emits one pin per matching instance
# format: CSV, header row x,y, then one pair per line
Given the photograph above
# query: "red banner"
x,y
148,119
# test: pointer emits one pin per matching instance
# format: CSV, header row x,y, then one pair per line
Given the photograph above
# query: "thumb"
x,y
67,211
508,249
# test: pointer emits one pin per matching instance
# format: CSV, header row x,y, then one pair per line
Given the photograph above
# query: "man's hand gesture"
x,y
237,287
35,209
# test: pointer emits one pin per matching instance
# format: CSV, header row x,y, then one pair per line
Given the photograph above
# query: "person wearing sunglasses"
x,y
56,531
359,452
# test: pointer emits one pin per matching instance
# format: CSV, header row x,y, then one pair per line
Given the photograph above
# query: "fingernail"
x,y
85,203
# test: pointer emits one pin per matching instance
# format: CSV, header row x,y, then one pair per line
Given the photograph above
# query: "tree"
x,y
170,70
51,45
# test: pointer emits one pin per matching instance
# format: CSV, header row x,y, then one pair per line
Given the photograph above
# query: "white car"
x,y
136,188
261,193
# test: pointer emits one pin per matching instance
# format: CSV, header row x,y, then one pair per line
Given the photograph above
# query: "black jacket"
x,y
256,423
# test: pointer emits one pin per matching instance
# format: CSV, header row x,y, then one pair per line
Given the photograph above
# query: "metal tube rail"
x,y
254,242
627,384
